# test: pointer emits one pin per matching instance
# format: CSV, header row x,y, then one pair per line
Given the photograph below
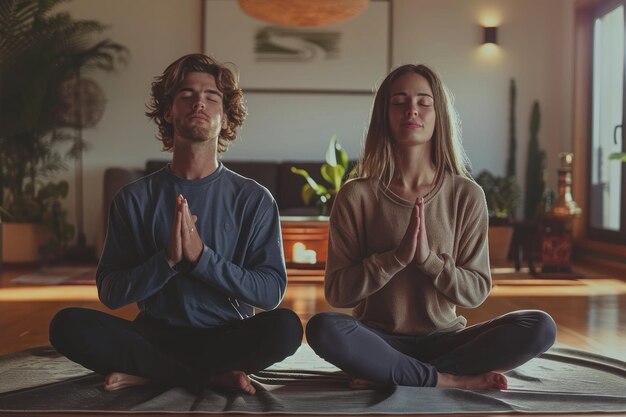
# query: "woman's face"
x,y
411,110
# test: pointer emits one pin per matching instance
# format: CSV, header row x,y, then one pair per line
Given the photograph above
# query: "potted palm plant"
x,y
40,50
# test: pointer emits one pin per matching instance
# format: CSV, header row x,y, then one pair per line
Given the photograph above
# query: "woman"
x,y
407,245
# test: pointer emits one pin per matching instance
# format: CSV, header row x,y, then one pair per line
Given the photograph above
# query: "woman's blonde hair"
x,y
377,160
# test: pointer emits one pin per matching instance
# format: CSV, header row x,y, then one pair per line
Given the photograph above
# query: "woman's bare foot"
x,y
118,380
360,383
234,380
486,381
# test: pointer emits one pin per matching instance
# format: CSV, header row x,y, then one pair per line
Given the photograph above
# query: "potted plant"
x,y
40,50
334,173
502,195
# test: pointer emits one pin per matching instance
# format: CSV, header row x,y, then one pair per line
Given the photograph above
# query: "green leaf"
x,y
618,156
342,157
334,175
331,154
63,188
322,191
307,194
501,193
307,177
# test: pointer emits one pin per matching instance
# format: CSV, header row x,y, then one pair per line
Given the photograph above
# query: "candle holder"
x,y
565,206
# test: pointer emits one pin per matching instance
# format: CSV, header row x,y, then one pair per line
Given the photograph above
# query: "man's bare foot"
x,y
118,380
234,380
486,381
360,383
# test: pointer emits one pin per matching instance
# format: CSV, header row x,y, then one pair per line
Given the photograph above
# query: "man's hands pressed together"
x,y
185,243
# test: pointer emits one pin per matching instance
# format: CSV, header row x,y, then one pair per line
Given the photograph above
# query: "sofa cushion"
x,y
153,165
285,186
265,173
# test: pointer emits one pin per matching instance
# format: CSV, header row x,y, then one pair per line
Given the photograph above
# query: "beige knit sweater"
x,y
362,272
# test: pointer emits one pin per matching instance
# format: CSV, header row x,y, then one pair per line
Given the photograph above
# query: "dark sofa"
x,y
277,177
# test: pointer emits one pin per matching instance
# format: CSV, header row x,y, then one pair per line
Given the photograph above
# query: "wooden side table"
x,y
526,244
312,232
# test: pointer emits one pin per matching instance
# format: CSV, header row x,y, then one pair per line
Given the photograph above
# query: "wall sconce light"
x,y
490,35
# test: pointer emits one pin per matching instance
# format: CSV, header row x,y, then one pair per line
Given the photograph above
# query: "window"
x,y
607,192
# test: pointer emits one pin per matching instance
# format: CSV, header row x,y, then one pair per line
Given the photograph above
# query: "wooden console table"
x,y
313,233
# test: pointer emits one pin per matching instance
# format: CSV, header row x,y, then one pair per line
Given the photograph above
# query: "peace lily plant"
x,y
333,172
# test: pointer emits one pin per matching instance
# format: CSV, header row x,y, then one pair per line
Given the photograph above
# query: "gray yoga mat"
x,y
562,380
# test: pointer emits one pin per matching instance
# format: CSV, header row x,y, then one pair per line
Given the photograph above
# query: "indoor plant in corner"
x,y
502,197
40,50
334,173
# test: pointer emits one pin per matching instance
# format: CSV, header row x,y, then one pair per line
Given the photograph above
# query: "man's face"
x,y
197,111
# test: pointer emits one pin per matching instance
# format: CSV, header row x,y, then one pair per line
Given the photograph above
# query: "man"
x,y
197,247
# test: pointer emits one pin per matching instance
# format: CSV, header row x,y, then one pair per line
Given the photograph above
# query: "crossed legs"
x,y
144,350
471,358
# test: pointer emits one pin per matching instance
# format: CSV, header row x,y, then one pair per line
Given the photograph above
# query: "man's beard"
x,y
198,133
195,133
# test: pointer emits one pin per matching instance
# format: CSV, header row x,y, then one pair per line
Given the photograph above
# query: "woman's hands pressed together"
x,y
414,244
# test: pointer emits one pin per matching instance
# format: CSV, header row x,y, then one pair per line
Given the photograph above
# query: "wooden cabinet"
x,y
312,232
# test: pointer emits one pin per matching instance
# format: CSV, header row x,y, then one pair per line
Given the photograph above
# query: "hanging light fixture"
x,y
308,13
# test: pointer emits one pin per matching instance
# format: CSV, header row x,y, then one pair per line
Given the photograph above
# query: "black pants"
x,y
499,345
183,356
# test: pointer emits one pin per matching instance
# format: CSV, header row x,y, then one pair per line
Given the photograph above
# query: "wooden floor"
x,y
590,312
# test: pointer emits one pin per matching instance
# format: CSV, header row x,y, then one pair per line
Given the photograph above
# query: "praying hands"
x,y
185,243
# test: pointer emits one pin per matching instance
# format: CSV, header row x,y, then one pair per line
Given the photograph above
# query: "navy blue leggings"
x,y
498,345
174,355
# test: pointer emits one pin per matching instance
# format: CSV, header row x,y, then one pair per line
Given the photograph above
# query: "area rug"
x,y
59,275
563,380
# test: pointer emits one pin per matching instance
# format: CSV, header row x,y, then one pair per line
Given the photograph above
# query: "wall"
x,y
536,48
535,40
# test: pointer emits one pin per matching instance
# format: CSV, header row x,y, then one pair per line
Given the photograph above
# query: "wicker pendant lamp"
x,y
307,13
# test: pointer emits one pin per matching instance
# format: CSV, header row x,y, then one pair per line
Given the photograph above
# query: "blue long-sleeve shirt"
x,y
241,267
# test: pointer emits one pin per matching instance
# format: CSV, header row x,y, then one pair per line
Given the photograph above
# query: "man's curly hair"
x,y
164,88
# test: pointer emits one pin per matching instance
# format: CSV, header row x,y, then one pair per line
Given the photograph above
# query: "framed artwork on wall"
x,y
344,58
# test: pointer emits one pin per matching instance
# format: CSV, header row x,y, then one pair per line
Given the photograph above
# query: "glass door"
x,y
607,213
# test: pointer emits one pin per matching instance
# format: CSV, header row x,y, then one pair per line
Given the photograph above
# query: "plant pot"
x,y
500,238
21,242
